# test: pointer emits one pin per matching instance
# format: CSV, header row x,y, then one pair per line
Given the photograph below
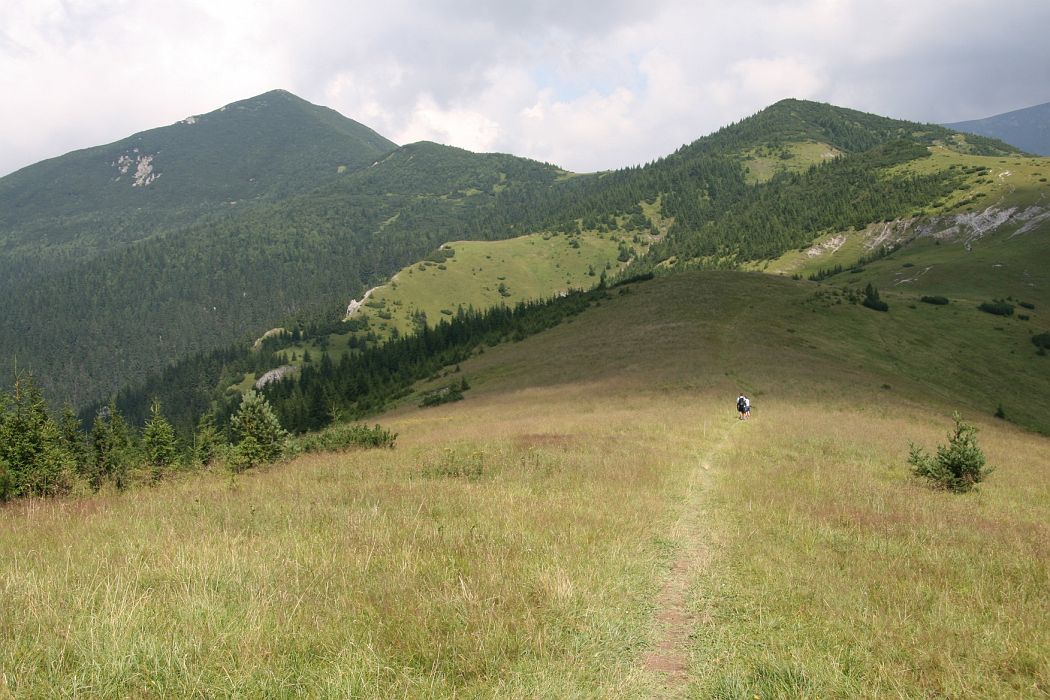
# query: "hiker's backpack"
x,y
741,404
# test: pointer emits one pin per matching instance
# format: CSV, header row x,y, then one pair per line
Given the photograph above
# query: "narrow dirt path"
x,y
674,620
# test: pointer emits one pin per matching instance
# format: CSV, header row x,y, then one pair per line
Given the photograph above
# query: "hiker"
x,y
743,406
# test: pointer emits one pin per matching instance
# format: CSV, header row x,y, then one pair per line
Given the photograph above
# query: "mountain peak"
x,y
254,150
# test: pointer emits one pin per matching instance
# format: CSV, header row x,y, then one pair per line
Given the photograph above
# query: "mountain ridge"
x,y
264,148
312,249
1027,128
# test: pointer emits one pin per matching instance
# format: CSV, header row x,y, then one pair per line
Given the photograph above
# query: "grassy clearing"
x,y
762,163
483,274
529,267
514,543
1000,182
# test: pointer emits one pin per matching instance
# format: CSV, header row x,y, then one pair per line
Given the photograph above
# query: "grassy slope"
x,y
762,163
1001,182
533,267
513,544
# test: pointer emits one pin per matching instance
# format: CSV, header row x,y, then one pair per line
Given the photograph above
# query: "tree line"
x,y
45,455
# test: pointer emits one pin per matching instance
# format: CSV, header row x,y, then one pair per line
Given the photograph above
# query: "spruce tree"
x,y
206,440
112,448
74,439
33,458
258,434
158,442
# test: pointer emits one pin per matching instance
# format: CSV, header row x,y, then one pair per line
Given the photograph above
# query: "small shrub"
x,y
957,466
937,300
872,300
445,394
345,437
998,307
1026,305
1042,341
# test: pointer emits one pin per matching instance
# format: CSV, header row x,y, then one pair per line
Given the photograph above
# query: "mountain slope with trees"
x,y
126,304
60,211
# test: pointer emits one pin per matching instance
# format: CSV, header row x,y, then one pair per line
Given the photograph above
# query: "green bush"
x,y
937,300
872,300
998,307
958,466
1042,341
345,437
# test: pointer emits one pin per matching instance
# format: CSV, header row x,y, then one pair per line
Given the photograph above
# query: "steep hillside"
x,y
113,318
483,274
60,211
995,198
1028,128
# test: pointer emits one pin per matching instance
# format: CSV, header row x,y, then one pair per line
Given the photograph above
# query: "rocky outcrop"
x,y
144,173
274,375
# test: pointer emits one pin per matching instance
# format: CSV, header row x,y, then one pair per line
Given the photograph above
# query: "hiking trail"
x,y
675,622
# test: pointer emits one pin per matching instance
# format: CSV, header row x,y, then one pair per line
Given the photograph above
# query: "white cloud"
x,y
550,79
463,127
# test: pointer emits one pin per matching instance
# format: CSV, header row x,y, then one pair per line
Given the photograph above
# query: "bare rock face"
x,y
274,375
355,305
972,226
144,173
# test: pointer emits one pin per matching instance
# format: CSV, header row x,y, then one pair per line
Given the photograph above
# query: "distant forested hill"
x,y
61,211
219,229
1028,129
87,327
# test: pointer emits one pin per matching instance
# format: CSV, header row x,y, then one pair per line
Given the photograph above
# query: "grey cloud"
x,y
582,84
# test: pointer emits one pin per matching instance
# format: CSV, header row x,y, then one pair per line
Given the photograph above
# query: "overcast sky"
x,y
587,85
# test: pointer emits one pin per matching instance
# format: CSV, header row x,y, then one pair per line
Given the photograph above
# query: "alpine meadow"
x,y
295,411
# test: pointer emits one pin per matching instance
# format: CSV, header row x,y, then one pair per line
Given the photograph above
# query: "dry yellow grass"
x,y
509,555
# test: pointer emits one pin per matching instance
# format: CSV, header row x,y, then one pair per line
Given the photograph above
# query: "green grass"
x,y
763,162
529,267
513,544
987,181
1009,181
533,267
838,576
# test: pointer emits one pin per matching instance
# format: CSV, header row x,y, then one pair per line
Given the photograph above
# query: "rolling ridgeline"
x,y
239,230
